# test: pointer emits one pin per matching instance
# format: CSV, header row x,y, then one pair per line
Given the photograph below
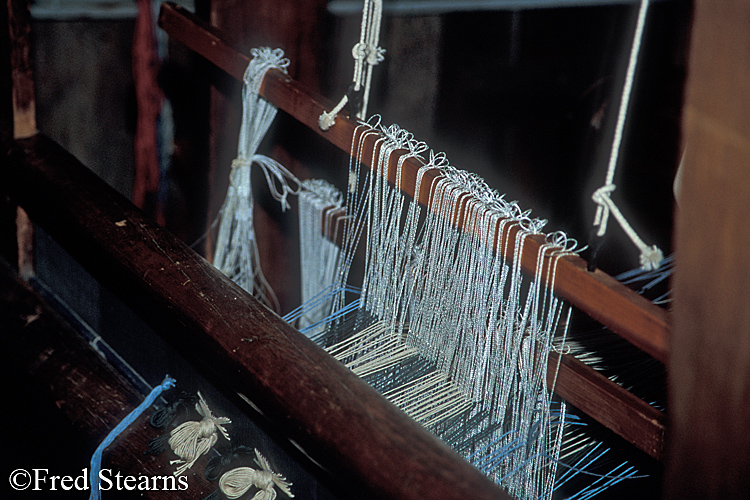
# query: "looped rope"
x,y
192,439
364,51
650,256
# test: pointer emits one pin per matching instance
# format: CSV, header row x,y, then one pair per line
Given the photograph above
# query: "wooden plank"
x,y
337,418
597,294
24,107
614,407
709,368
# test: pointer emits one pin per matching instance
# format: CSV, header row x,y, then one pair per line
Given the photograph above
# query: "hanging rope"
x,y
651,256
366,54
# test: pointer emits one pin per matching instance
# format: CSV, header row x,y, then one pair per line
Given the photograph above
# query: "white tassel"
x,y
237,482
192,439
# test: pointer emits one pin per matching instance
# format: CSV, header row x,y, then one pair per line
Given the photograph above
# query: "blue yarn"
x,y
96,459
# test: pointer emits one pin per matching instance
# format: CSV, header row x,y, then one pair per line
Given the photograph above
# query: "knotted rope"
x,y
192,439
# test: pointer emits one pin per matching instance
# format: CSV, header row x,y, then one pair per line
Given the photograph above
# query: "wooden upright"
x,y
709,365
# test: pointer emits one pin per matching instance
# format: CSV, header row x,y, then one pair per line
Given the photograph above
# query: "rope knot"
x,y
237,482
602,195
375,55
359,51
192,439
239,162
651,258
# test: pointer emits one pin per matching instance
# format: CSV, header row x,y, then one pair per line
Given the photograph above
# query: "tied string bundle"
x,y
236,482
236,246
192,439
237,474
367,54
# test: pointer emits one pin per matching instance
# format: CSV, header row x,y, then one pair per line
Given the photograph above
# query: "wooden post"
x,y
24,116
709,454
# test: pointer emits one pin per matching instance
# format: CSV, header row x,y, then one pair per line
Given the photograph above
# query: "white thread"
x,y
650,256
236,482
236,246
452,341
366,55
192,439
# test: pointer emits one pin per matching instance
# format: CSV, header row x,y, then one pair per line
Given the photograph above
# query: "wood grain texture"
x,y
709,452
340,420
24,115
24,109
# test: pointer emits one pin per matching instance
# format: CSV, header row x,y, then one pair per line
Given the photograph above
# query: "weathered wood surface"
x,y
23,107
709,453
340,420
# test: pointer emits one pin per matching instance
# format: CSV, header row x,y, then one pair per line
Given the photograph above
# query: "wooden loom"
x,y
96,225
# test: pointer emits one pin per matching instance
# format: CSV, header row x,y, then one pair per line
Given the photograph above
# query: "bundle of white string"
x,y
236,247
236,482
192,439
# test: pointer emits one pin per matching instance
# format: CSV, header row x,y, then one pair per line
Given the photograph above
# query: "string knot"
x,y
375,56
359,51
237,482
651,258
192,439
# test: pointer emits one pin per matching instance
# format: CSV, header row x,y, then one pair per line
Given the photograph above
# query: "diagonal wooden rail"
x,y
597,294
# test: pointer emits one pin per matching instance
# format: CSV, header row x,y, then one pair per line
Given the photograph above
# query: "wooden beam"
x,y
627,415
617,307
337,418
709,455
44,353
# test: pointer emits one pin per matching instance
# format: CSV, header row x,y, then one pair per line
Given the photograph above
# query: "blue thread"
x,y
96,459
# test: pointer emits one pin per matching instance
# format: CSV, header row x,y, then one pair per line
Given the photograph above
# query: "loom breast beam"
x,y
622,309
617,307
336,417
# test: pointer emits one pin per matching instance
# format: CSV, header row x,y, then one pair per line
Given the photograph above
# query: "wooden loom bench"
x,y
599,295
